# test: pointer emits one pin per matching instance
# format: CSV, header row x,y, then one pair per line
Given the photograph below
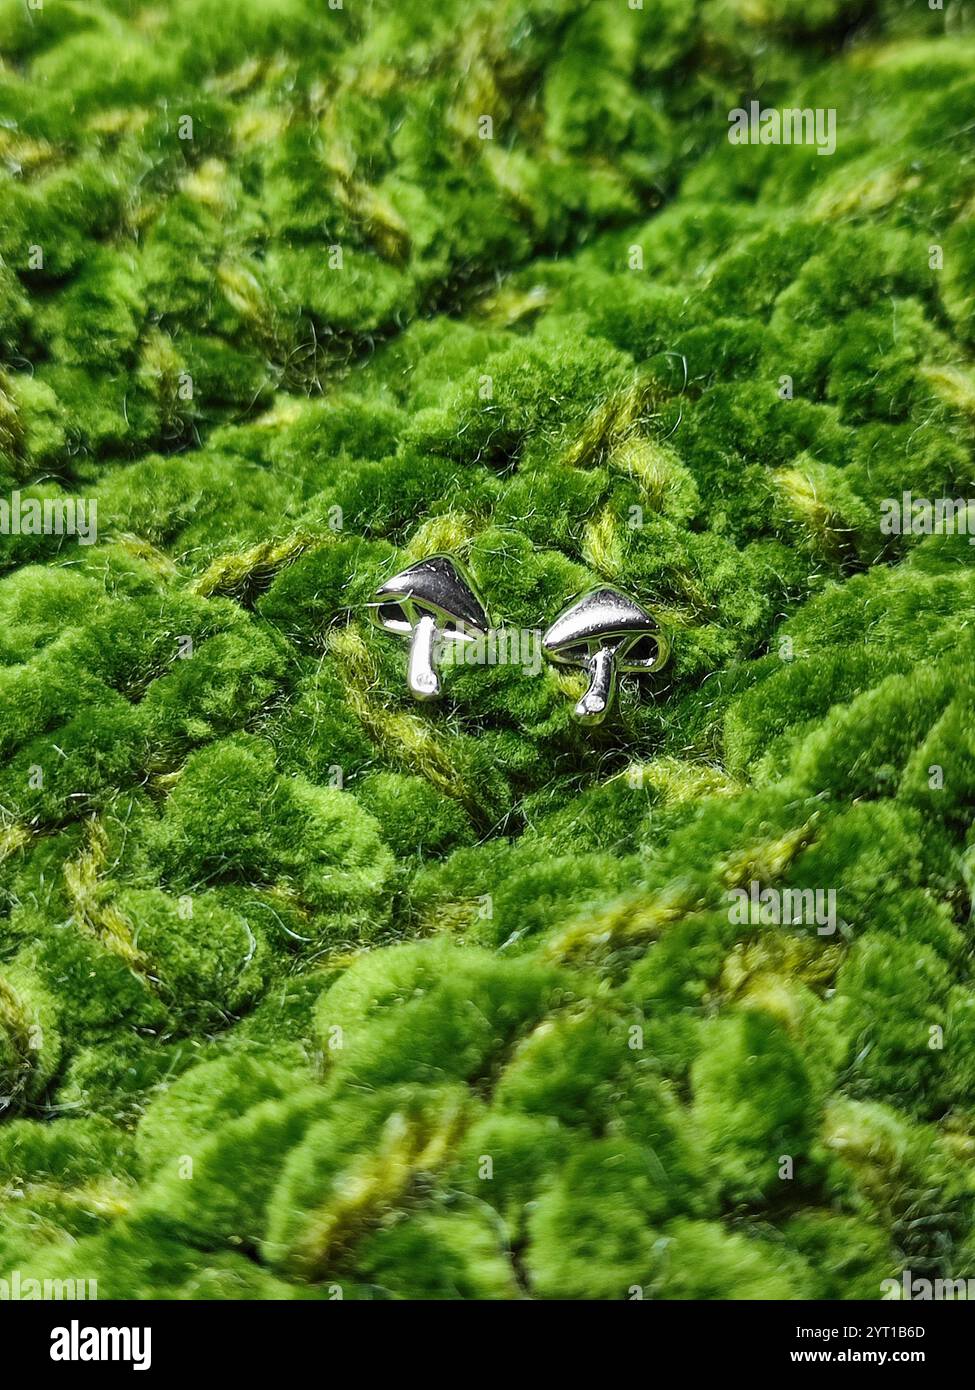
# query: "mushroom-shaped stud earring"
x,y
606,633
431,602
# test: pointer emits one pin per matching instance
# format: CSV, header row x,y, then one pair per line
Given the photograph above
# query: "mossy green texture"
x,y
309,992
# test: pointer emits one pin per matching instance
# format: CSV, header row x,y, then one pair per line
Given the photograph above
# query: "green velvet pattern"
x,y
307,991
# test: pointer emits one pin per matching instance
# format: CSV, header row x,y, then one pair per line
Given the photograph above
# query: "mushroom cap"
x,y
436,586
604,618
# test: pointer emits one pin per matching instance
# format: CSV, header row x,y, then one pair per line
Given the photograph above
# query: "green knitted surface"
x,y
308,991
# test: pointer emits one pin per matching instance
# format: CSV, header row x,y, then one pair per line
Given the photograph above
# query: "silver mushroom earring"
x,y
606,633
430,603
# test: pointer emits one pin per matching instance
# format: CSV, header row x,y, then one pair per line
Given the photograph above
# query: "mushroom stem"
x,y
602,683
422,677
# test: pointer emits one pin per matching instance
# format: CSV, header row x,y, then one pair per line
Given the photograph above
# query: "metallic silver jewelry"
x,y
432,602
606,633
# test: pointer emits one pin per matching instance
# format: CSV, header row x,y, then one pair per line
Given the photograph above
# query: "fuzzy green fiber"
x,y
307,991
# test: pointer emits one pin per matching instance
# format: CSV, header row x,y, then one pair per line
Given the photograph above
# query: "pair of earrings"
x,y
605,631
